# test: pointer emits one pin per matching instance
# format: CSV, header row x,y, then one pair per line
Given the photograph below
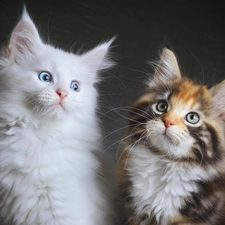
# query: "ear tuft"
x,y
25,14
24,40
98,58
167,67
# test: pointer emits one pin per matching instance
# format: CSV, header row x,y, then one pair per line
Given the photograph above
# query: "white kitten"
x,y
49,172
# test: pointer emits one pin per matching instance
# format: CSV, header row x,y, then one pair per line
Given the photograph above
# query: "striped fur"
x,y
172,166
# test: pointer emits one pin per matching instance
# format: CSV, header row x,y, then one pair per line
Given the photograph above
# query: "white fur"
x,y
173,141
49,172
160,186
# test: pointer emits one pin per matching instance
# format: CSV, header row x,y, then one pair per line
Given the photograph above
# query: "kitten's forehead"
x,y
190,95
60,63
62,58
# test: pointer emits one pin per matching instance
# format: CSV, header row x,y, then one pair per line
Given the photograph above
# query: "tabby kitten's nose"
x,y
168,123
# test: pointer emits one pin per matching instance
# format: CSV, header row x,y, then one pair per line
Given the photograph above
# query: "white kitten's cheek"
x,y
47,97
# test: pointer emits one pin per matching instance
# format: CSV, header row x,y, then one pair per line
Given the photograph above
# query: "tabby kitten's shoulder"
x,y
172,164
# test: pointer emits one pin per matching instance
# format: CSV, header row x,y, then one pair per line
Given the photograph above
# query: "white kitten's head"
x,y
46,82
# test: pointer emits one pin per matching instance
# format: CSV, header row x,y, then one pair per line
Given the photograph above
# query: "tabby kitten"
x,y
172,165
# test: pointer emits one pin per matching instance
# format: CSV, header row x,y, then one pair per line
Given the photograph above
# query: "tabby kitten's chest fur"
x,y
172,166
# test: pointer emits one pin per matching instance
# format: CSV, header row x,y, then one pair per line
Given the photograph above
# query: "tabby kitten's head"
x,y
178,118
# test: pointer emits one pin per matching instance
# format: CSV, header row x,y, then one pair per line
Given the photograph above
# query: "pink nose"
x,y
61,94
168,123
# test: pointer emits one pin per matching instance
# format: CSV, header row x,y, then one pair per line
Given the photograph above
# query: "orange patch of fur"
x,y
189,92
180,220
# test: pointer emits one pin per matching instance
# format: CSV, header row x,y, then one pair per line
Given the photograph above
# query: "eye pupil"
x,y
75,86
162,106
46,77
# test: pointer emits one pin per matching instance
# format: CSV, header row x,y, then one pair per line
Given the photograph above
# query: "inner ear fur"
x,y
167,67
218,94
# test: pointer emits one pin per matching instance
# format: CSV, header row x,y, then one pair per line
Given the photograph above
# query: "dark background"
x,y
195,30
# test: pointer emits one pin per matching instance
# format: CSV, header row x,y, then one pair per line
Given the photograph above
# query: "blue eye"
x,y
45,76
75,86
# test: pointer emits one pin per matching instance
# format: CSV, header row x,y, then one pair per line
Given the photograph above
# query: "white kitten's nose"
x,y
62,94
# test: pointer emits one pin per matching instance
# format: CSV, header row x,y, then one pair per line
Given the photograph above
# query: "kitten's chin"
x,y
170,144
53,112
163,139
61,111
163,145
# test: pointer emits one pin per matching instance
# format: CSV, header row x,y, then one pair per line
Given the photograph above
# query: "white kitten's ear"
x,y
98,58
218,94
167,67
24,39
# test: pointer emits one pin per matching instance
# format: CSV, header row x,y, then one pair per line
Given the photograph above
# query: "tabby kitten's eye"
x,y
192,118
162,106
45,76
75,86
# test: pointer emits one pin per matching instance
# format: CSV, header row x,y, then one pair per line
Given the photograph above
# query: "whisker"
x,y
128,118
119,141
113,132
131,135
131,147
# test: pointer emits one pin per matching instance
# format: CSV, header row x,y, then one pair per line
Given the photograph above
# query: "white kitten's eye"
x,y
45,76
162,106
75,86
192,118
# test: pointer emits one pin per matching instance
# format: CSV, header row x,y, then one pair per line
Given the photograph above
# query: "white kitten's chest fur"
x,y
159,187
48,179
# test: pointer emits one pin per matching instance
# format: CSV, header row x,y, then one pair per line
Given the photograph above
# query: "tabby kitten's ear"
x,y
24,40
167,67
218,105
